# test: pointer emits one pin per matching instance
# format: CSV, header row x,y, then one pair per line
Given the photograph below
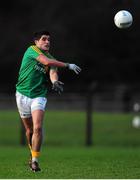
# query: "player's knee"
x,y
29,131
37,130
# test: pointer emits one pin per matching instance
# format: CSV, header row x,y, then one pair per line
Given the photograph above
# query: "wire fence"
x,y
111,112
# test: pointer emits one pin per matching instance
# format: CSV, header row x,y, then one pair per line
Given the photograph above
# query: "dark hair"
x,y
37,35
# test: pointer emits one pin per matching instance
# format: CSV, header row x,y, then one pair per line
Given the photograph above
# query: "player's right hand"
x,y
75,68
58,86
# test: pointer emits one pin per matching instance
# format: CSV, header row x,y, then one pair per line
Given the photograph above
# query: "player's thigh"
x,y
37,117
38,107
23,105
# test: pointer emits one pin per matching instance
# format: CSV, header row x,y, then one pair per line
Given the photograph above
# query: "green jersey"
x,y
32,80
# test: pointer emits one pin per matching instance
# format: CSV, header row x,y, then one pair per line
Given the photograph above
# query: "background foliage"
x,y
82,32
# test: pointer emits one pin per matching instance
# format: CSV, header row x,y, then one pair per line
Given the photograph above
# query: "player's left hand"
x,y
58,86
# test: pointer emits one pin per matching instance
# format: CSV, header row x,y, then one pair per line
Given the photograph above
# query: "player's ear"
x,y
35,41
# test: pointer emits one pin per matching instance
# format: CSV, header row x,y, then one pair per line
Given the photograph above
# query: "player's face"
x,y
43,43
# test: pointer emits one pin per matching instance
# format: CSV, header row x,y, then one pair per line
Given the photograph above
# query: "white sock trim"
x,y
34,159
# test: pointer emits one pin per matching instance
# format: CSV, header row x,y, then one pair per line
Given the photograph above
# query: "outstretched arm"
x,y
52,62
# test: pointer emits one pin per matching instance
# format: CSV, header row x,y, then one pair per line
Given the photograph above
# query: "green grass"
x,y
72,163
115,152
69,128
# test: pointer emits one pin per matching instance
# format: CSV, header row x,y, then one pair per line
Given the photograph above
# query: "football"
x,y
123,19
136,122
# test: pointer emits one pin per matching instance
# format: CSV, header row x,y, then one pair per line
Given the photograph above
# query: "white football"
x,y
136,122
123,19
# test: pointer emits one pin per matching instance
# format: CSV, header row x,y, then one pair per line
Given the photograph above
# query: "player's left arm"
x,y
56,85
53,75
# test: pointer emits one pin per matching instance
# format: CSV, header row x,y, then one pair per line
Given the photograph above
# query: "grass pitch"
x,y
72,163
115,152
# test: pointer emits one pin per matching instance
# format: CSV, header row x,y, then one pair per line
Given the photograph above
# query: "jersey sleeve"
x,y
34,52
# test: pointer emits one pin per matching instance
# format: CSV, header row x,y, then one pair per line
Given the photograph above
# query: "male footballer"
x,y
37,66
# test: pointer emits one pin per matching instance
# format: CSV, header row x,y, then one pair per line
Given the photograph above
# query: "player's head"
x,y
42,39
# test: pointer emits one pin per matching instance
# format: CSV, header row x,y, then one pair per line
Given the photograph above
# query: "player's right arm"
x,y
39,56
53,62
50,62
